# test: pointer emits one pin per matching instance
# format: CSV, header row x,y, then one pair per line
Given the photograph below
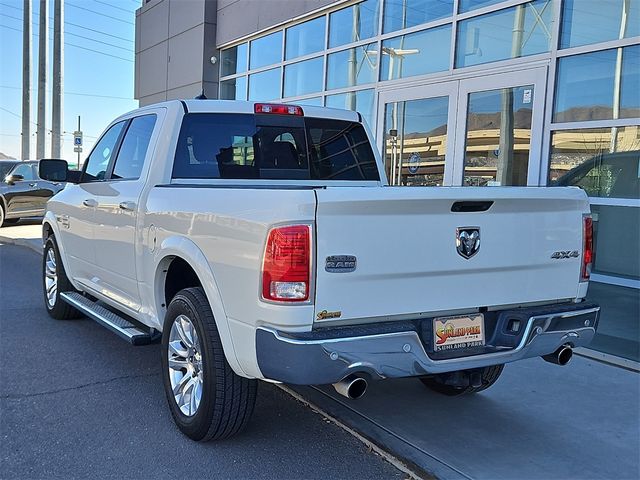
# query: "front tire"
x,y
438,383
55,281
208,401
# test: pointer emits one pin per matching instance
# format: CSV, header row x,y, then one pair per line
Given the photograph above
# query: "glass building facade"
x,y
483,93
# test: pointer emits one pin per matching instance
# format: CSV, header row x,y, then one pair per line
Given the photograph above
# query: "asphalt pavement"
x,y
77,401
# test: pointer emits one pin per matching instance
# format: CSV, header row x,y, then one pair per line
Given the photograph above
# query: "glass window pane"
x,y
134,148
303,77
305,38
360,101
416,141
233,60
354,23
466,5
416,54
584,87
630,83
234,89
400,14
498,137
98,161
313,101
354,66
265,86
510,33
266,50
585,22
603,161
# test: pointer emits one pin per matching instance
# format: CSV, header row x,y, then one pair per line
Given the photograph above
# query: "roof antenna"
x,y
202,96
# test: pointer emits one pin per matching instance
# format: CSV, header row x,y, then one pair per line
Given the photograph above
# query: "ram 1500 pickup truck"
x,y
262,242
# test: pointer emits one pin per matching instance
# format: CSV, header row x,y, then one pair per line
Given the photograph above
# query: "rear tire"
x,y
54,281
208,401
438,383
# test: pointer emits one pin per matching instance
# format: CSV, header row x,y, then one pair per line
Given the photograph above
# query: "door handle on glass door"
x,y
127,206
90,202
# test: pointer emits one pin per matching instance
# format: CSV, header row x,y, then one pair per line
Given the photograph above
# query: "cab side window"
x,y
134,148
26,170
97,163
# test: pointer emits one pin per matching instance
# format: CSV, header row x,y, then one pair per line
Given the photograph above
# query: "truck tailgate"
x,y
407,262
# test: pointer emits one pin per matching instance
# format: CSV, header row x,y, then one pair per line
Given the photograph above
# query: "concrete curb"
x,y
34,244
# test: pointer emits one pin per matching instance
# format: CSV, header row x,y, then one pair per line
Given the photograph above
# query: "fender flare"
x,y
187,250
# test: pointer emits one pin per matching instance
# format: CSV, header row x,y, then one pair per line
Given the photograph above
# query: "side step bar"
x,y
118,325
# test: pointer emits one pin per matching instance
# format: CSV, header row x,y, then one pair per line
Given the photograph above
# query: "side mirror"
x,y
53,170
12,179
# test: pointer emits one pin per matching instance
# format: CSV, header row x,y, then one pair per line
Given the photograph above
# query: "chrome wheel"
x,y
51,278
185,365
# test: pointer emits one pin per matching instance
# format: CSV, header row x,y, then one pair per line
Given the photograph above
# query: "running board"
x,y
112,321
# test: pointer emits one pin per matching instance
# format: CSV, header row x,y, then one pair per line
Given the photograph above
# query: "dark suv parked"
x,y
23,193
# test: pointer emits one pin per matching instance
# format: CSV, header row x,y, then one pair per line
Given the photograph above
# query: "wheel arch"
x,y
50,229
186,253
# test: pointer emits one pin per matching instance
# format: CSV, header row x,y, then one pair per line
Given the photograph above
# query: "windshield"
x,y
244,146
5,168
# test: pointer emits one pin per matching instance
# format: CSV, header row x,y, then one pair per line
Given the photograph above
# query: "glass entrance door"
x,y
501,117
483,131
415,134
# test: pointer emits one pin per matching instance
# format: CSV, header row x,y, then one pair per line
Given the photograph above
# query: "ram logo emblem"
x,y
340,264
467,241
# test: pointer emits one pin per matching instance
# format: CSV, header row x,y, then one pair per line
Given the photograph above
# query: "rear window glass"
x,y
245,146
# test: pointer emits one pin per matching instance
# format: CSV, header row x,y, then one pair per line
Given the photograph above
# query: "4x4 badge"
x,y
467,241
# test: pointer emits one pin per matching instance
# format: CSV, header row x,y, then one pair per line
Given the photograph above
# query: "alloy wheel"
x,y
185,365
51,278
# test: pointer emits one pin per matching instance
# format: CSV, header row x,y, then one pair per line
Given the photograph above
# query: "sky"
x,y
98,70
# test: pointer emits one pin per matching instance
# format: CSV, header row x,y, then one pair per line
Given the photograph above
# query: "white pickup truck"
x,y
261,241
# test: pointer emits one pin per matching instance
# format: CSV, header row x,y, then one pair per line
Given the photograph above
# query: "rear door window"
x,y
246,146
134,148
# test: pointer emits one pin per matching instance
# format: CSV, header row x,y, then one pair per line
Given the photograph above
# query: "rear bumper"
x,y
384,351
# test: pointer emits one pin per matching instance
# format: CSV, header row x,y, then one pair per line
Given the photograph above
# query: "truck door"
x,y
117,215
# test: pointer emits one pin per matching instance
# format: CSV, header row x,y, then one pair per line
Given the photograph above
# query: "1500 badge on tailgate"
x,y
452,333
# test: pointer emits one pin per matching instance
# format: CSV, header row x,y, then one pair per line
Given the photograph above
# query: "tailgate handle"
x,y
471,206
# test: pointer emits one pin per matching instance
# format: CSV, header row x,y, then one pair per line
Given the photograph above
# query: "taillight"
x,y
286,266
278,109
587,247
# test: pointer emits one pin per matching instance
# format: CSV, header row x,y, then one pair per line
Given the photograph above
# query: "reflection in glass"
x,y
400,14
303,77
234,89
498,137
585,22
265,86
360,101
416,54
510,33
233,60
466,5
313,101
416,141
305,38
586,85
602,161
630,83
266,50
355,23
354,66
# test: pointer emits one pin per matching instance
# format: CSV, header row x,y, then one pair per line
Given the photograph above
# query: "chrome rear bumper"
x,y
325,359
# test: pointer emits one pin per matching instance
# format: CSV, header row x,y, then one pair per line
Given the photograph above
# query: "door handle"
x,y
33,184
127,206
90,202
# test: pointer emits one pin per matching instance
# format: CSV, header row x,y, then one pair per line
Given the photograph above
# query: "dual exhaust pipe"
x,y
351,387
561,356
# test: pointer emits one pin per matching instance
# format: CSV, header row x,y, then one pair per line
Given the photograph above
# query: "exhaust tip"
x,y
352,387
562,356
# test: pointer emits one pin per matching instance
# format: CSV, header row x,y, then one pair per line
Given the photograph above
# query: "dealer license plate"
x,y
453,333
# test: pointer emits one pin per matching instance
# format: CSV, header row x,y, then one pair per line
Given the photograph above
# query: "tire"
x,y
437,383
215,403
54,281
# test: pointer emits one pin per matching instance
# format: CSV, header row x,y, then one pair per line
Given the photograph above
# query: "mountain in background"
x,y
5,157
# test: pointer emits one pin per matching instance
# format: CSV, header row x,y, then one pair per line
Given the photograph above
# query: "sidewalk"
x,y
27,233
